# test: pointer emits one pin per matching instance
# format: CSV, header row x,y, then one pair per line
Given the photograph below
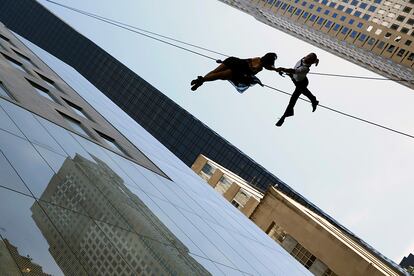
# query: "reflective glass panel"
x,y
4,92
25,231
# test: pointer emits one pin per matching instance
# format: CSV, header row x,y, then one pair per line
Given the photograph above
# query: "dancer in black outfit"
x,y
240,72
298,76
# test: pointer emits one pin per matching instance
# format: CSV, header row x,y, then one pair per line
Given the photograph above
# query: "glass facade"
x,y
69,206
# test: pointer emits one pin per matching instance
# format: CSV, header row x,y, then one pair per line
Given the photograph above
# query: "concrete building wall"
x,y
328,245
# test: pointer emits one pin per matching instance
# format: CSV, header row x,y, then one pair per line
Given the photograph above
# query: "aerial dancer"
x,y
239,72
298,76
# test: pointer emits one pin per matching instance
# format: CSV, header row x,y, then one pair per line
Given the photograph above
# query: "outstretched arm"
x,y
285,70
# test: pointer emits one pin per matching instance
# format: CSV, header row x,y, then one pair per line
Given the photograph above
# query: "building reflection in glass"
x,y
106,226
12,263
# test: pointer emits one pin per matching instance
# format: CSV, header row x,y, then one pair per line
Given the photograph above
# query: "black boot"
x,y
197,83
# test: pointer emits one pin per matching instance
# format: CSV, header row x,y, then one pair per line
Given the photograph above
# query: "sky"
x,y
359,174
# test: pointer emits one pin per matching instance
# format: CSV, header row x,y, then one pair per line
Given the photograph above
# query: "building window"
x,y
4,92
363,5
394,27
401,52
407,9
329,272
320,21
391,49
411,57
277,233
410,21
223,184
235,204
371,41
344,30
303,256
353,34
77,109
112,143
25,59
4,38
404,30
362,37
208,169
408,42
372,8
75,125
42,91
15,64
380,45
328,24
400,18
48,81
241,199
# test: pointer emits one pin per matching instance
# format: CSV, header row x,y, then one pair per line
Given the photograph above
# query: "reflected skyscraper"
x,y
13,264
108,227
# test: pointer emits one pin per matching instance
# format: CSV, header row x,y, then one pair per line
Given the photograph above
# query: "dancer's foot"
x,y
314,105
197,83
280,122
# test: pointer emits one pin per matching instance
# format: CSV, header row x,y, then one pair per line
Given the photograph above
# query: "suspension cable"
x,y
134,30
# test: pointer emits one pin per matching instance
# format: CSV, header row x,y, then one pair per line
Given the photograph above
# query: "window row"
x,y
74,124
348,32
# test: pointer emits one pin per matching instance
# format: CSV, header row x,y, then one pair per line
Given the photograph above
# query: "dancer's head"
x,y
268,60
311,59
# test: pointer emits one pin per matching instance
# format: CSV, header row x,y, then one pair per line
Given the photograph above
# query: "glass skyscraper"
x,y
85,190
375,34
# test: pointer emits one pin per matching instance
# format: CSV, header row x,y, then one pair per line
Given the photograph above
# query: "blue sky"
x,y
359,174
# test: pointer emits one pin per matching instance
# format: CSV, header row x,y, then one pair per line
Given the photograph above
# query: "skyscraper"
x,y
377,35
85,190
408,261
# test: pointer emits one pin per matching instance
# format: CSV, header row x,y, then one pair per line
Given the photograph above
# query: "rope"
x,y
108,20
360,77
345,114
135,30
